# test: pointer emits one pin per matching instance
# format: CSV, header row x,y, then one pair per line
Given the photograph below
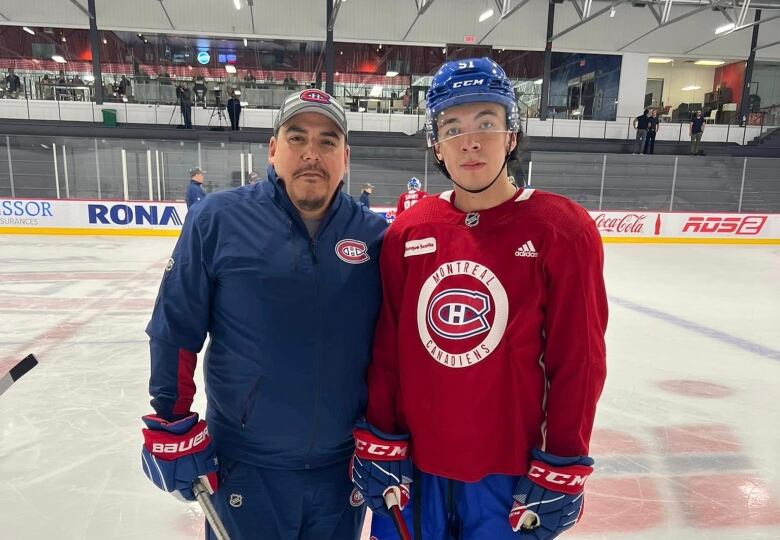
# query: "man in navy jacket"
x,y
283,277
195,191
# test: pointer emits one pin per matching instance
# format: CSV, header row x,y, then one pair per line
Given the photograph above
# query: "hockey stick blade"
x,y
202,495
16,372
391,501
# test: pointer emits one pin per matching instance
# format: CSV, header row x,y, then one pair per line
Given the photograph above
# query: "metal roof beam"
x,y
332,21
422,7
767,45
737,29
503,18
743,13
655,13
162,6
599,13
84,10
676,19
577,8
667,12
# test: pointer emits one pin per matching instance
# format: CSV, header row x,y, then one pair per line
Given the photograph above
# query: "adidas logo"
x,y
526,250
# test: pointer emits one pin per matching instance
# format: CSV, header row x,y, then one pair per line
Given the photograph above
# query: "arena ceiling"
x,y
677,28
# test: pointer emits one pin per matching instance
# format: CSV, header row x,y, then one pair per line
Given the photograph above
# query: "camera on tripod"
x,y
218,97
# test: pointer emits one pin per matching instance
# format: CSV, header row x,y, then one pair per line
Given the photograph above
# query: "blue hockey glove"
x,y
176,454
548,500
380,465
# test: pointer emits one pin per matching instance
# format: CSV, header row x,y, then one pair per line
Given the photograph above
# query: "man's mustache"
x,y
311,169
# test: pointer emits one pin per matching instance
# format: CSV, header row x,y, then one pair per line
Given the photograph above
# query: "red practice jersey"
x,y
490,341
406,200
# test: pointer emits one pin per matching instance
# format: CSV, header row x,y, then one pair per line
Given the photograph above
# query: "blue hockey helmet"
x,y
472,80
414,183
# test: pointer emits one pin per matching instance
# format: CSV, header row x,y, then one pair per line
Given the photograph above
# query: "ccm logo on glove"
x,y
368,446
568,480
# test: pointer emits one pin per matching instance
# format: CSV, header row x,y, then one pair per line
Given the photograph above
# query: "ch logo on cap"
x,y
315,96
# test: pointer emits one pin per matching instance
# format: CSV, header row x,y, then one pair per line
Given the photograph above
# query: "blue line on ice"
x,y
706,331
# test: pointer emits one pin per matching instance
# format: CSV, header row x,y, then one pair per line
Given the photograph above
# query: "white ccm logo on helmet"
x,y
470,82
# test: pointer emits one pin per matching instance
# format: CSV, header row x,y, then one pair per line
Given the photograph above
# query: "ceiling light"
x,y
485,15
612,12
725,28
391,74
105,41
230,68
63,39
709,62
380,46
59,59
376,91
660,60
245,42
692,87
28,30
237,3
538,81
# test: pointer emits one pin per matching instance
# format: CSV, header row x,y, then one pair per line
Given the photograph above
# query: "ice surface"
x,y
687,439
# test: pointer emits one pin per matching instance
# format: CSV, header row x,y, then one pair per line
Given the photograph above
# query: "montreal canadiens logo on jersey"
x,y
462,313
352,251
459,313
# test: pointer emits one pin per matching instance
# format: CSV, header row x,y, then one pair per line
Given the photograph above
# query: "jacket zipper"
x,y
318,365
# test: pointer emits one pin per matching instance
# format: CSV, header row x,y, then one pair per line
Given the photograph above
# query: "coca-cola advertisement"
x,y
632,223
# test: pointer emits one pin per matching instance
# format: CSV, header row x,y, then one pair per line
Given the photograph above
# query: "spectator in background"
x,y
12,82
652,131
368,189
195,191
46,87
640,125
185,104
77,93
62,83
407,101
125,87
249,77
696,131
234,109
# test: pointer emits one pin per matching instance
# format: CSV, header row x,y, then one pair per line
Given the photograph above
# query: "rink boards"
x,y
149,218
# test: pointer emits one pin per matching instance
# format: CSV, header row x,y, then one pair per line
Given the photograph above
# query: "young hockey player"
x,y
489,355
413,195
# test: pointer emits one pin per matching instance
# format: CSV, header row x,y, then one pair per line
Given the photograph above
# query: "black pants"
x,y
186,112
650,142
234,115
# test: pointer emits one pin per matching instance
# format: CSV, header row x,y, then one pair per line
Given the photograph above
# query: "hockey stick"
x,y
202,495
16,372
392,503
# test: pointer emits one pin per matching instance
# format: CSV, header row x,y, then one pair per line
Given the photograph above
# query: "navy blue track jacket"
x,y
194,194
291,321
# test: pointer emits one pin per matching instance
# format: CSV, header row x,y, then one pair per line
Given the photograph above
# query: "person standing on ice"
x,y
489,355
283,276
